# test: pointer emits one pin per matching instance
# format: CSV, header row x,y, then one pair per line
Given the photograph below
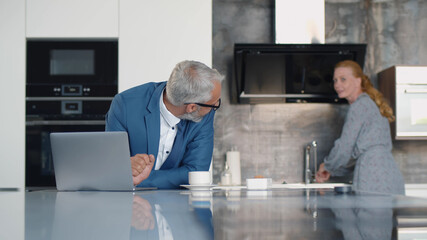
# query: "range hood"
x,y
299,67
283,73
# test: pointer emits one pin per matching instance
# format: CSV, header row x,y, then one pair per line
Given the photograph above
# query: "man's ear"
x,y
189,108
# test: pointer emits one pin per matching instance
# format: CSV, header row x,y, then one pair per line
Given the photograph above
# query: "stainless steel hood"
x,y
280,73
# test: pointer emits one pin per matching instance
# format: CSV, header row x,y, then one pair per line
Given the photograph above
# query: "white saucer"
x,y
226,187
199,187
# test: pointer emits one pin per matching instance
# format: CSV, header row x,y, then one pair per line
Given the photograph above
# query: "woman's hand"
x,y
322,175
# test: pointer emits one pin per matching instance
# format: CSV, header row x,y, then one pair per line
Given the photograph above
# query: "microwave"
x,y
289,73
71,68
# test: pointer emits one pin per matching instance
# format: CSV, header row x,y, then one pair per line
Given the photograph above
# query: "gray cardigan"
x,y
365,140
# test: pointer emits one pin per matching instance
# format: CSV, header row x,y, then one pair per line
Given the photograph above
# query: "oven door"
x,y
411,111
39,166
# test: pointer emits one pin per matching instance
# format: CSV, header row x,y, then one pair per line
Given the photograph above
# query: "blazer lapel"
x,y
152,125
152,121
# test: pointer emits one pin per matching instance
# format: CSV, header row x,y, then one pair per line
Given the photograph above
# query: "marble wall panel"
x,y
271,137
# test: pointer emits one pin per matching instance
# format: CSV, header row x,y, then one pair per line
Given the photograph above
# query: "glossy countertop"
x,y
215,214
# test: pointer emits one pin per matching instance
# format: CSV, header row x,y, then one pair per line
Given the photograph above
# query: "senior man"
x,y
170,124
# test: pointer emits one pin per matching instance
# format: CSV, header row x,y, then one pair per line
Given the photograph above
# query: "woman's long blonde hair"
x,y
368,88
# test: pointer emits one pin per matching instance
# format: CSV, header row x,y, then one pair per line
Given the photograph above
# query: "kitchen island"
x,y
211,214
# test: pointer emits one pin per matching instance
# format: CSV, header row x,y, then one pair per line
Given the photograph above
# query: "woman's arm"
x,y
340,155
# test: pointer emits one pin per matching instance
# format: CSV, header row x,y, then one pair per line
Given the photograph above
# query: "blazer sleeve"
x,y
197,157
115,119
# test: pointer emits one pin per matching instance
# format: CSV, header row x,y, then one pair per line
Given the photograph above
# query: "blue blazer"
x,y
137,112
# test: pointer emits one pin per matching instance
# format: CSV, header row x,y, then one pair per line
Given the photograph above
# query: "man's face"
x,y
193,116
201,111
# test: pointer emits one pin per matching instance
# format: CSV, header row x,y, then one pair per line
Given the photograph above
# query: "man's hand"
x,y
322,175
141,167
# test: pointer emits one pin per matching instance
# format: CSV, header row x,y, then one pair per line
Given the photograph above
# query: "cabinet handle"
x,y
415,90
69,98
64,122
244,95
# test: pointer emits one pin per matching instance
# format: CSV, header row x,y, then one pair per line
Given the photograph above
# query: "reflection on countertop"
x,y
215,214
114,215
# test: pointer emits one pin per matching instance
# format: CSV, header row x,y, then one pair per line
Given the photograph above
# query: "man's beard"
x,y
193,116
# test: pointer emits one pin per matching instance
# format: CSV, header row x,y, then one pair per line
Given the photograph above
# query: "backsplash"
x,y
271,137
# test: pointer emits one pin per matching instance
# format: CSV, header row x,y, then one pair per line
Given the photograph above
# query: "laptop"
x,y
92,161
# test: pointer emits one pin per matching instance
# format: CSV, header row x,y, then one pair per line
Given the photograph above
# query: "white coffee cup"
x,y
199,178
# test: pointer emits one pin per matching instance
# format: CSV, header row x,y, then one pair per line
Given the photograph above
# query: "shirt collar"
x,y
164,112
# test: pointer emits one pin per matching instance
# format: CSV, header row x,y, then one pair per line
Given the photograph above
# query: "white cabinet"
x,y
405,88
155,35
72,18
12,94
416,190
12,217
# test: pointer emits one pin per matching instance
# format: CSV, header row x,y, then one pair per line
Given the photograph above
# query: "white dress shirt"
x,y
168,132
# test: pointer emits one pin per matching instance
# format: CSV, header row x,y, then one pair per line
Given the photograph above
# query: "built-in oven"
x,y
39,165
405,87
70,86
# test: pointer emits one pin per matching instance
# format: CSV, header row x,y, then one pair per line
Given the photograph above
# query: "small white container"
x,y
226,176
259,183
233,161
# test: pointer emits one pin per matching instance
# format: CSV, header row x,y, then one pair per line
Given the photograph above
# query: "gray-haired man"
x,y
170,124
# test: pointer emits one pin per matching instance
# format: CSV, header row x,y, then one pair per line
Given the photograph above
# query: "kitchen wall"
x,y
271,137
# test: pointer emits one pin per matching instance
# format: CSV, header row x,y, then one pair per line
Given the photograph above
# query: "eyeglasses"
x,y
214,107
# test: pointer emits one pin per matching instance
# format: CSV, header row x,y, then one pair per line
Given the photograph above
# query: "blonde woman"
x,y
365,140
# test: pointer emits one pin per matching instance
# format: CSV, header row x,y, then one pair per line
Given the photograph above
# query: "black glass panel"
x,y
268,72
